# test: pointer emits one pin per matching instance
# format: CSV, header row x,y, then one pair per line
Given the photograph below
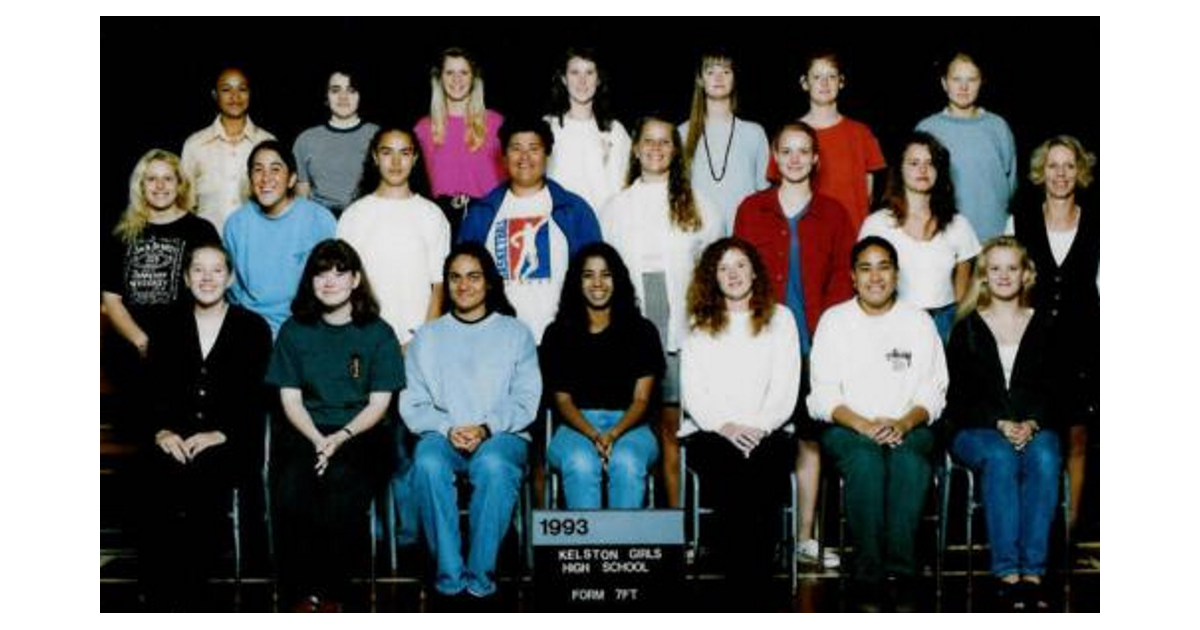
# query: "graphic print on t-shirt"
x,y
522,248
154,270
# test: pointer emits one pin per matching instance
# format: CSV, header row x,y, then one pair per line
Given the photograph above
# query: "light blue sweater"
x,y
462,374
983,166
268,255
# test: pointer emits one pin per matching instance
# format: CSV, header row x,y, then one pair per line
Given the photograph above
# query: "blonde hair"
x,y
476,111
137,213
1085,160
979,294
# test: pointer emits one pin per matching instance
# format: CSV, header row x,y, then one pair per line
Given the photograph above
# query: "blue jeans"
x,y
943,320
401,486
575,455
494,471
1020,491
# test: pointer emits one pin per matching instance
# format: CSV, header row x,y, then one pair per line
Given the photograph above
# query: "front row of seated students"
x,y
597,418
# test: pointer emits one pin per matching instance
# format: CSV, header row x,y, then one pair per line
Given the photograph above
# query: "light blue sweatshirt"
x,y
462,374
269,253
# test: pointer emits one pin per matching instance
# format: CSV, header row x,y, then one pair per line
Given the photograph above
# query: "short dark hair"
x,y
524,123
285,154
875,241
333,253
495,299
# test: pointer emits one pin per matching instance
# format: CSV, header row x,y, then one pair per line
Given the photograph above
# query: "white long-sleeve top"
x,y
624,225
587,161
740,377
877,366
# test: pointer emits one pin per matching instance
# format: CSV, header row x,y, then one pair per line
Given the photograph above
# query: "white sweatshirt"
x,y
878,366
739,377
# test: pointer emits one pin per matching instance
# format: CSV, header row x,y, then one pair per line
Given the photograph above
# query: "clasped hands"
x,y
184,451
743,437
1019,434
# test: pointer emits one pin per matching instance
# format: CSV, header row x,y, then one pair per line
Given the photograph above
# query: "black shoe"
x,y
1009,597
904,595
1035,597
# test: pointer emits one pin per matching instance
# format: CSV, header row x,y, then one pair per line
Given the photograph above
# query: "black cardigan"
x,y
223,392
977,396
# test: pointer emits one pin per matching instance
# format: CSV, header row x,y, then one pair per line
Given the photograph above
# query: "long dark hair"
x,y
941,202
333,253
495,300
572,307
418,179
560,97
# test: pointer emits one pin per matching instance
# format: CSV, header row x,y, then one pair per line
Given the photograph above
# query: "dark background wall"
x,y
1042,75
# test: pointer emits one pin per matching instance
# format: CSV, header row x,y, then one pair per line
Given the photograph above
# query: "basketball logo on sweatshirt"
x,y
522,248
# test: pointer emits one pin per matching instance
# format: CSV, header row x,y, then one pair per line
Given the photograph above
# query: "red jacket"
x,y
825,242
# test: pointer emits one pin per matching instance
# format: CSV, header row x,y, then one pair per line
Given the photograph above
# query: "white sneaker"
x,y
807,551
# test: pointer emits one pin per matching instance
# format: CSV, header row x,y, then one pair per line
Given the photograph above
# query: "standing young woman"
x,y
660,226
401,235
463,156
998,407
143,273
591,147
727,155
600,359
850,154
935,242
208,406
337,366
329,157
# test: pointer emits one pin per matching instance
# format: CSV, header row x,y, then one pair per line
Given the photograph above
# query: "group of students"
x,y
658,288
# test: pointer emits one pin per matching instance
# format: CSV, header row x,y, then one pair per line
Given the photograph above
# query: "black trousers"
x,y
321,521
185,526
745,494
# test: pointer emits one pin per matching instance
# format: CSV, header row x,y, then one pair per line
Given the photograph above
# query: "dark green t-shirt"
x,y
336,367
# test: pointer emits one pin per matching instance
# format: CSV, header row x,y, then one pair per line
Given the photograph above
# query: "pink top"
x,y
455,169
848,151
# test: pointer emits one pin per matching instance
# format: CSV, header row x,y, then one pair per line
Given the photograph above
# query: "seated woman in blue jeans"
x,y
997,408
601,359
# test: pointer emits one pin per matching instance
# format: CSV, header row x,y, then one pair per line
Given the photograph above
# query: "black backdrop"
x,y
1042,75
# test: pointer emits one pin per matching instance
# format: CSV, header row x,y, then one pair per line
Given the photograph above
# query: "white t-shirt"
x,y
532,255
926,278
403,244
589,162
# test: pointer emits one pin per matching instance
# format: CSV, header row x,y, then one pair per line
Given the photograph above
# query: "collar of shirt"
x,y
216,131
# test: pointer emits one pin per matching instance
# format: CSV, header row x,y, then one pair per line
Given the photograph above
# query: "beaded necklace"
x,y
708,154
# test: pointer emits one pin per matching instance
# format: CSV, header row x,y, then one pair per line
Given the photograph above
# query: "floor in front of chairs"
x,y
817,592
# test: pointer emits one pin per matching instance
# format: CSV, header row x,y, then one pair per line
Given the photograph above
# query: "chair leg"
x,y
970,535
1067,542
236,516
372,513
793,525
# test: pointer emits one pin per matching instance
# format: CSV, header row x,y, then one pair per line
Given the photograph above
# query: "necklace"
x,y
708,153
